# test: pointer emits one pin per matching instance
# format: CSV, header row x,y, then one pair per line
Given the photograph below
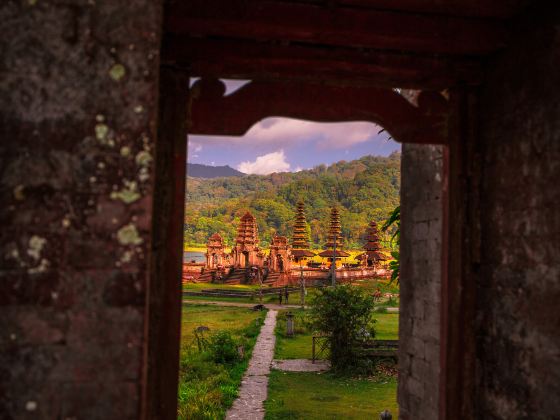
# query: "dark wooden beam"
x,y
497,9
309,23
245,59
212,113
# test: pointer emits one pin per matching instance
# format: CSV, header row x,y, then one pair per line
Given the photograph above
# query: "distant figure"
x,y
280,297
286,294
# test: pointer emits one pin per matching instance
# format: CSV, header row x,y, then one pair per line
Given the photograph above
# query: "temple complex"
x,y
285,262
300,238
246,251
372,257
334,240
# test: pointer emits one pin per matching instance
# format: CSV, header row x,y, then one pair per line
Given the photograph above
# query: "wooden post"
x,y
313,349
163,314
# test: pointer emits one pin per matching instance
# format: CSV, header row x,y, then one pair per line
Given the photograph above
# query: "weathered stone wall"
x,y
518,295
419,326
77,117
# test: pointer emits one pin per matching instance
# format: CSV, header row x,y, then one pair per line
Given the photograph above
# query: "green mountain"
x,y
198,170
365,189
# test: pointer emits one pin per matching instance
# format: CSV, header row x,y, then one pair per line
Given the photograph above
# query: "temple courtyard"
x,y
274,376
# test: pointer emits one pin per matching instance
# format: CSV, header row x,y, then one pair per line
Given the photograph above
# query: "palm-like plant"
x,y
394,219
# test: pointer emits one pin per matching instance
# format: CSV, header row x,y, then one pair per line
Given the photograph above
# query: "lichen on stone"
x,y
42,267
128,194
128,235
101,131
143,158
125,151
127,256
36,244
117,72
144,175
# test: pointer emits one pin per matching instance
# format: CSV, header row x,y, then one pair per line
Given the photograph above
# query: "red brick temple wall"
x,y
420,281
78,120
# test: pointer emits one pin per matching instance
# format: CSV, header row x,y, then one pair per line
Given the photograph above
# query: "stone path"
x,y
254,386
301,365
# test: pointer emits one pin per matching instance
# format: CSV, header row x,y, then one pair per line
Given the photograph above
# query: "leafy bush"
x,y
223,348
394,220
345,314
208,384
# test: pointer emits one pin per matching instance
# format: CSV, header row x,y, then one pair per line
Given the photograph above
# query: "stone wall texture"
x,y
77,115
518,293
419,324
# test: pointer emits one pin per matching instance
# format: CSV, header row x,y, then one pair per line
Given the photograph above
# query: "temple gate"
x,y
280,254
215,254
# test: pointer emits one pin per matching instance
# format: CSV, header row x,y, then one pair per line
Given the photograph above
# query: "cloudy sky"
x,y
283,144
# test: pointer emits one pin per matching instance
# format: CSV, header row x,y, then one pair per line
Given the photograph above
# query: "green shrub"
x,y
223,348
345,314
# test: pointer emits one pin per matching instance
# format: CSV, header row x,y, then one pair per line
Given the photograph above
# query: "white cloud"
x,y
291,132
327,135
266,164
194,147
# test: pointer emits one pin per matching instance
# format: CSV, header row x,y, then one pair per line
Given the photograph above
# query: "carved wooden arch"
x,y
212,113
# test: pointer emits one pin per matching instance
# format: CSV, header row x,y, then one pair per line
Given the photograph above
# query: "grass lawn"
x,y
216,318
208,388
300,346
198,287
324,396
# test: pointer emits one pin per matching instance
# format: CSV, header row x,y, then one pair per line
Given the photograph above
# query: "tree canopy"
x,y
364,190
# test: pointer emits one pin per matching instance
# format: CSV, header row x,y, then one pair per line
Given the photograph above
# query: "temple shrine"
x,y
334,240
246,252
372,257
300,238
215,253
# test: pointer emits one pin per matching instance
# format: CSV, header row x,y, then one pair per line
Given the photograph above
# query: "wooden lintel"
x,y
317,24
212,113
245,59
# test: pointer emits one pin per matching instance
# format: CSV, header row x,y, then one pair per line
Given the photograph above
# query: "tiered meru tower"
x,y
300,239
246,251
334,238
372,256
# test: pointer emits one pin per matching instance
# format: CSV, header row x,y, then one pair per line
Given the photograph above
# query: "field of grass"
x,y
207,388
300,346
197,287
324,396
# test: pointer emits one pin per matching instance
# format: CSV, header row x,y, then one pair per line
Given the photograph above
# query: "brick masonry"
x,y
78,115
518,294
419,326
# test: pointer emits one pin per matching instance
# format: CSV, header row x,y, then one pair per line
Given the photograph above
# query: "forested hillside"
x,y
365,189
197,170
